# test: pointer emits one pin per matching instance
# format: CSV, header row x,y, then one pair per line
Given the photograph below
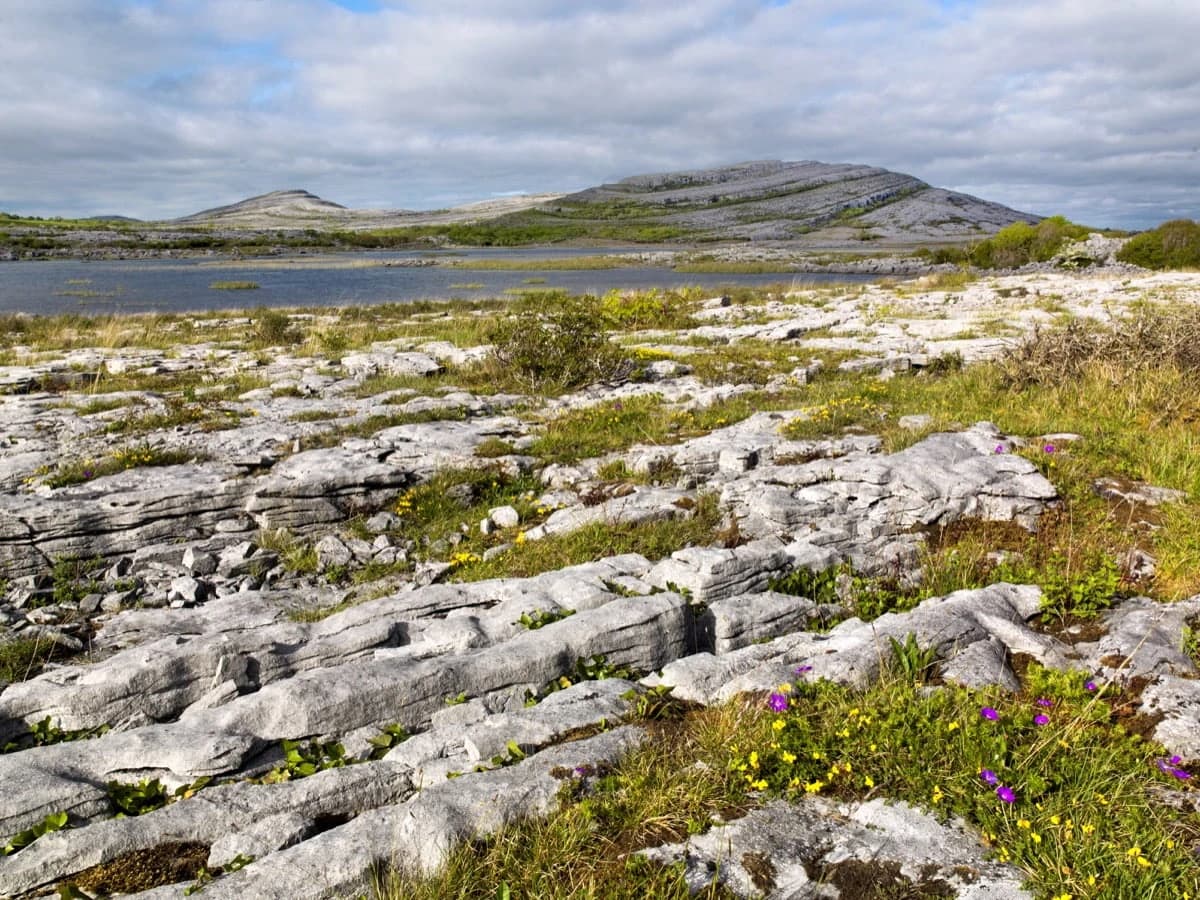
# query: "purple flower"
x,y
1000,448
990,714
1043,701
800,670
1049,448
1168,767
1041,719
988,776
1090,685
1006,794
778,702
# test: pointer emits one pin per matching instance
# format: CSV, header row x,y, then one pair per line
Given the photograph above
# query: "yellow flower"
x,y
1134,852
1054,820
787,757
754,759
520,538
869,781
759,785
937,795
778,724
813,787
953,726
1023,823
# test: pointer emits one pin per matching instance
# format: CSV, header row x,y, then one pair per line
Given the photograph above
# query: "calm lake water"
x,y
186,285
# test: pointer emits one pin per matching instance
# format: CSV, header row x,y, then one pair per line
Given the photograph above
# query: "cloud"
x,y
160,107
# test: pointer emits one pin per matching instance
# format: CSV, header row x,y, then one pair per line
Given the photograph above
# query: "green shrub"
x,y
1172,245
560,343
273,328
1021,243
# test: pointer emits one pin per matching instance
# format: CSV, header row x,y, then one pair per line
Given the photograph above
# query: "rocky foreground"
x,y
198,652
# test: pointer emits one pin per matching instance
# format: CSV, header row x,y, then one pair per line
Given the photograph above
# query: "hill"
x,y
775,200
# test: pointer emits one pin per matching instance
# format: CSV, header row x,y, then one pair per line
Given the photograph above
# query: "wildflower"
x,y
988,776
778,725
937,795
778,702
1169,767
787,757
1088,829
1045,702
1049,448
800,670
990,714
953,726
813,787
1006,794
1090,685
869,781
759,785
1000,448
1024,823
1041,719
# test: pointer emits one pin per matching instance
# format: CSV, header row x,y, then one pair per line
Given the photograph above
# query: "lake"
x,y
115,286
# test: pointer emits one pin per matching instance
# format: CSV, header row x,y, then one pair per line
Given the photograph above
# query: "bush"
x,y
1021,243
559,344
1172,245
273,328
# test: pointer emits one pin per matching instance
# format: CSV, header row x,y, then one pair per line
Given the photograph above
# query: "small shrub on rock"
x,y
560,343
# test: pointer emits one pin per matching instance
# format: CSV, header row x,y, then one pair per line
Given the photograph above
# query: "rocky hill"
x,y
774,200
293,209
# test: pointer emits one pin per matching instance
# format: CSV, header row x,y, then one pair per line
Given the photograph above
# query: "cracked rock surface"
x,y
202,652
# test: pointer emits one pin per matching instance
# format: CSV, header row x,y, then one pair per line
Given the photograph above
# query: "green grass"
x,y
118,460
234,286
1084,819
582,851
551,264
654,540
22,658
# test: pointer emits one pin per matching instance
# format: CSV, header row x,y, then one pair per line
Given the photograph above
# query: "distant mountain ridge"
x,y
763,200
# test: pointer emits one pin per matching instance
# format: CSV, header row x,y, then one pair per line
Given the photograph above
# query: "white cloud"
x,y
161,107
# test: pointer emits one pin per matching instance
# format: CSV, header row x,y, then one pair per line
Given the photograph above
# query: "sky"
x,y
160,108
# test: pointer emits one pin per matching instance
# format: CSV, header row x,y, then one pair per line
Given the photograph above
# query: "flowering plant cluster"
x,y
1049,776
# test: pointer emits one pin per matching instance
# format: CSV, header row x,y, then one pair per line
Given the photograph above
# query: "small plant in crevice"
x,y
136,799
301,760
389,736
910,661
53,822
592,668
45,733
539,618
205,876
